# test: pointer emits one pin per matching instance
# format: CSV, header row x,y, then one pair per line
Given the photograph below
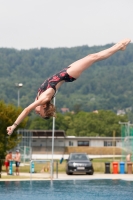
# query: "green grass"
x,y
118,159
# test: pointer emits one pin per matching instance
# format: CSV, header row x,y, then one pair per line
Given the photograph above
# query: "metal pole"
x,y
53,142
56,169
113,145
19,85
31,134
24,153
18,96
30,170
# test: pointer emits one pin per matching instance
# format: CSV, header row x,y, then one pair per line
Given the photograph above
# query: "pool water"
x,y
66,190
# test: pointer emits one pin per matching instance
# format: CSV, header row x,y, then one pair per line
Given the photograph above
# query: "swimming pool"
x,y
66,190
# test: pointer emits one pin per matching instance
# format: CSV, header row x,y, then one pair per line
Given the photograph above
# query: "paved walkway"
x,y
63,176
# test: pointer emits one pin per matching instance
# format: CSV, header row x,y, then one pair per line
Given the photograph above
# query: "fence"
x,y
127,140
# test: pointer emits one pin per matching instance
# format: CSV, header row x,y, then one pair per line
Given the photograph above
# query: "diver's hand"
x,y
10,129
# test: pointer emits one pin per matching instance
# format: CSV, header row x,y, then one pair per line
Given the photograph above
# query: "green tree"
x,y
95,124
8,114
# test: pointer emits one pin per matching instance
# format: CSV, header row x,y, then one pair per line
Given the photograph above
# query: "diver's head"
x,y
46,111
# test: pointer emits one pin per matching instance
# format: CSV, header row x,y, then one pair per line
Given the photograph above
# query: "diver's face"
x,y
40,110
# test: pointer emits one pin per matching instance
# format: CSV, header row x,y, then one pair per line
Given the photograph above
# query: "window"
x,y
109,143
78,157
70,143
83,143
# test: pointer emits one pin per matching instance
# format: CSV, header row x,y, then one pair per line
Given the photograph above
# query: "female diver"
x,y
42,104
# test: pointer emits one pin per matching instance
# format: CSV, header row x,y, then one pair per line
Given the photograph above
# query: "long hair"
x,y
49,110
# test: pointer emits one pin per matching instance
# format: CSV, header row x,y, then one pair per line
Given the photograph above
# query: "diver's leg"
x,y
79,66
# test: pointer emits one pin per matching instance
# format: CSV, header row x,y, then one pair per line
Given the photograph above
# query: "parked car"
x,y
79,163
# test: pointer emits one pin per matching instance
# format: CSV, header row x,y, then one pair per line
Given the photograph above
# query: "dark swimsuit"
x,y
54,80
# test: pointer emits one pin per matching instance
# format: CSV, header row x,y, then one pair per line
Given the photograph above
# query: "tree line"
x,y
101,123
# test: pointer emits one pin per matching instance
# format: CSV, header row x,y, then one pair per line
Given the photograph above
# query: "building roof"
x,y
65,109
43,133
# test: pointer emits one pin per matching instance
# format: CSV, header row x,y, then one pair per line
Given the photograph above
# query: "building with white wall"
x,y
41,140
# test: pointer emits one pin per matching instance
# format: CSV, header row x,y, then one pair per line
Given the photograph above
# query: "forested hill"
x,y
107,84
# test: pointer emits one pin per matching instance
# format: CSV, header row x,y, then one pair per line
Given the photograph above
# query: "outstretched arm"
x,y
26,111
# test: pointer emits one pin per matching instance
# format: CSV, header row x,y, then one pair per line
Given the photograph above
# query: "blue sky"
x,y
26,24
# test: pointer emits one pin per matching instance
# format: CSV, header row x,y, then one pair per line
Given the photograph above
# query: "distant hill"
x,y
106,85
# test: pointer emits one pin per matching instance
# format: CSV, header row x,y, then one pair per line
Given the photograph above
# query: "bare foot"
x,y
123,44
